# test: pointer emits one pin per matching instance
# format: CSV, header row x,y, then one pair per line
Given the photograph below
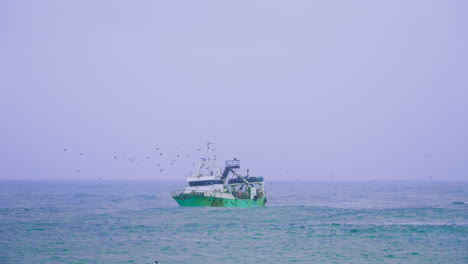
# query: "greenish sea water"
x,y
303,222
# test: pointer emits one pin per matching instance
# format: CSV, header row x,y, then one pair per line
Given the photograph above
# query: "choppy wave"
x,y
302,223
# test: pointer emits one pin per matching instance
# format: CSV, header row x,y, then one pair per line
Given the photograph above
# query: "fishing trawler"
x,y
211,185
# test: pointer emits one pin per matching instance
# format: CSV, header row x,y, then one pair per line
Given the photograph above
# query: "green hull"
x,y
194,200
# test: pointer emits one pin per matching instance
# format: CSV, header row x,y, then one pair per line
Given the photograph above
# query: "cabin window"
x,y
205,183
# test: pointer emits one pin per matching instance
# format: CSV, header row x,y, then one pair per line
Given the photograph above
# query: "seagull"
x,y
77,170
147,157
115,157
81,153
64,149
160,154
161,170
157,148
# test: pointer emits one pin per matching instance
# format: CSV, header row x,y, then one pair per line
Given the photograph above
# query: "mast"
x,y
208,166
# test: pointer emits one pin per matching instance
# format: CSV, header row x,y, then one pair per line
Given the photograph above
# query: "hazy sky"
x,y
297,90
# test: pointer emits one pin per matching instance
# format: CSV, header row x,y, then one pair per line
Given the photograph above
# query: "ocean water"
x,y
303,222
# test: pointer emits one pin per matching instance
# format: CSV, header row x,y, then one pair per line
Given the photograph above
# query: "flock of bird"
x,y
159,161
158,158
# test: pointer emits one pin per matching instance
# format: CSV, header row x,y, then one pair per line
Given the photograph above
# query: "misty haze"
x,y
344,126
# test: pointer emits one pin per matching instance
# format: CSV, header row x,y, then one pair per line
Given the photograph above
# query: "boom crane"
x,y
230,166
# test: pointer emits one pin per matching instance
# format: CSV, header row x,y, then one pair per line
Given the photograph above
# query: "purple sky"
x,y
361,90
